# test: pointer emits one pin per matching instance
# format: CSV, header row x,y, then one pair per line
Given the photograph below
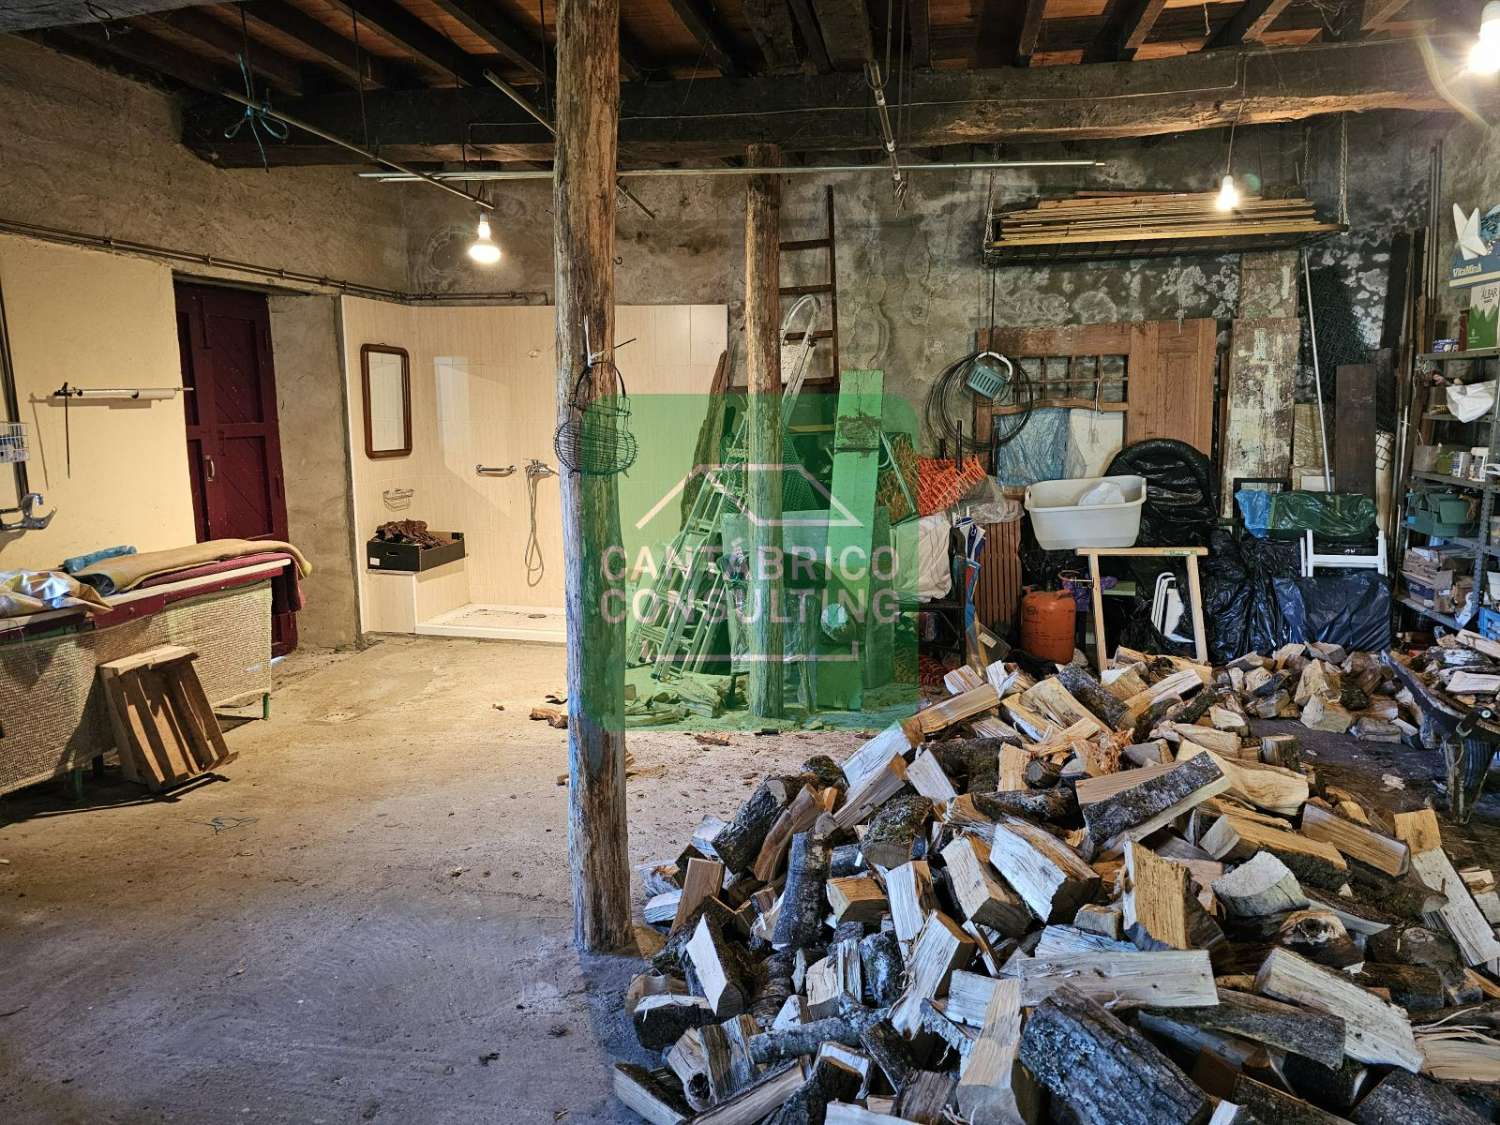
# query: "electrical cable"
x,y
955,377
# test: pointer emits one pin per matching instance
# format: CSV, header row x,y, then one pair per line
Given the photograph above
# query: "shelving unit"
x,y
1480,544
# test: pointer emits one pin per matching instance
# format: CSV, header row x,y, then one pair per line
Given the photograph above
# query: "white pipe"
x,y
788,170
1312,328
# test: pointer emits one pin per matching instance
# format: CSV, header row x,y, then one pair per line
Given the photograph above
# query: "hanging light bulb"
x,y
483,249
1229,195
1484,56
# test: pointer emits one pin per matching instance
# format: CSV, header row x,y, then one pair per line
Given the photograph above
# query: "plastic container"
x,y
1060,524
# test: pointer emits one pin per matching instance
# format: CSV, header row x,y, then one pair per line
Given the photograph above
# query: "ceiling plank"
x,y
812,35
771,23
707,118
718,45
227,43
846,32
421,39
334,51
143,52
24,15
919,29
1127,24
510,40
1248,23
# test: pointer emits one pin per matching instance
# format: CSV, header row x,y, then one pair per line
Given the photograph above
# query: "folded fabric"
x,y
83,562
34,591
126,572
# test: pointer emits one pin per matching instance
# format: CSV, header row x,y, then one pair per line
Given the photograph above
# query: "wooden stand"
x,y
165,730
1195,590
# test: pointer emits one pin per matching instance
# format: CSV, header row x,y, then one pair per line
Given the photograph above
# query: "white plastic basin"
x,y
1061,523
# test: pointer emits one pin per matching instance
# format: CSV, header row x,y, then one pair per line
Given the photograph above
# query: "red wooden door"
x,y
234,445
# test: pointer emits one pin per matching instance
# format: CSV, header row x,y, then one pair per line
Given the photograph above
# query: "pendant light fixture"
x,y
1484,56
1229,195
483,249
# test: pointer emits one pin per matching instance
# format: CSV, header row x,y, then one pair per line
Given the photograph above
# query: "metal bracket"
x,y
28,521
494,470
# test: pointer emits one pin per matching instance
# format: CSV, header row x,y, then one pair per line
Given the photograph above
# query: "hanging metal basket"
x,y
595,440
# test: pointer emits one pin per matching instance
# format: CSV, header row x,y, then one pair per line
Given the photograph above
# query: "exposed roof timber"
x,y
1375,14
812,35
771,23
919,29
140,51
1031,29
1127,23
333,50
702,119
1008,32
421,39
718,45
846,32
226,42
484,19
1249,22
25,15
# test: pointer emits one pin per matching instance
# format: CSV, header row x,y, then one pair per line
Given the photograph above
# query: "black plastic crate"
x,y
381,554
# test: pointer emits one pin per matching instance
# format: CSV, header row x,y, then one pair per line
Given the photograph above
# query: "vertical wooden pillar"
x,y
763,348
588,105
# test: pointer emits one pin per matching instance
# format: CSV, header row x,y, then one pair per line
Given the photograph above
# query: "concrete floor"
x,y
370,920
374,902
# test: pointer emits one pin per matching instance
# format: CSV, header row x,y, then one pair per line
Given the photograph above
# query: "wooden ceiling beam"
x,y
228,44
1008,32
845,25
1127,24
771,23
812,35
424,41
919,30
688,121
141,52
1247,24
715,40
1375,14
26,15
334,51
484,19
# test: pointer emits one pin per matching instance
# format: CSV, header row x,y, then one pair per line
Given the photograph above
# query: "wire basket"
x,y
13,442
986,379
596,440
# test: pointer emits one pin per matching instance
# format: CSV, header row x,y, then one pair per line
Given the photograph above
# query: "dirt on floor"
x,y
370,921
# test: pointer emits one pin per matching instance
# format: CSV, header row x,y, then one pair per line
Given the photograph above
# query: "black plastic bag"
x,y
1337,517
1182,494
1351,608
1239,602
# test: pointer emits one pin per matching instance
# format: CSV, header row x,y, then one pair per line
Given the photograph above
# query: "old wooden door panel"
x,y
234,443
1354,436
1171,382
1257,438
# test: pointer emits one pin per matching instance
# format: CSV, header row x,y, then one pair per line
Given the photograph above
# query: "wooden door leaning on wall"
x,y
234,441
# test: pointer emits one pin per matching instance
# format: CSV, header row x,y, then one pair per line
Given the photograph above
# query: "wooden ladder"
x,y
825,290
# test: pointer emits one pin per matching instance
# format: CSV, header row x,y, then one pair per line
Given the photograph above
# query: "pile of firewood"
x,y
1080,900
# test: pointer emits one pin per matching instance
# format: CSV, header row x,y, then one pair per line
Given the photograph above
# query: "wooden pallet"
x,y
165,730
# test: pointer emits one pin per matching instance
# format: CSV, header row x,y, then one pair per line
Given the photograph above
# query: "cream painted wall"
x,y
95,320
483,392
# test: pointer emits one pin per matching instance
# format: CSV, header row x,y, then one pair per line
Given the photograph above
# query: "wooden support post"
x,y
588,105
763,481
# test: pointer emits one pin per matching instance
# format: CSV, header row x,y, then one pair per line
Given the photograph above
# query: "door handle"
x,y
212,471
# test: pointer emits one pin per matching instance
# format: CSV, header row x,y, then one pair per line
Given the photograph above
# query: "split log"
x,y
1419,830
1281,750
897,739
889,1052
1122,806
1413,987
1261,887
1316,1035
1358,916
909,889
940,948
857,898
941,716
925,1097
894,830
1013,763
830,1081
1057,805
1101,920
987,1086
1064,941
1101,1070
659,1021
1156,896
846,860
1223,743
1101,704
834,982
882,967
1039,773
1168,979
981,897
739,842
1314,863
726,1054
704,879
1049,876
1461,916
662,908
767,1093
1270,1104
1413,945
1357,842
848,1029
719,966
1401,1098
1052,699
1271,788
1333,1088
878,788
1374,1031
650,1094
1323,714
798,816
954,1037
1319,936
800,920
926,775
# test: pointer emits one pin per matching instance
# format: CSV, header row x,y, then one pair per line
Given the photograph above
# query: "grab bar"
x,y
494,470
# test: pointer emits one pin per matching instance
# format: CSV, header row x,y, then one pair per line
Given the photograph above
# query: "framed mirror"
x,y
386,372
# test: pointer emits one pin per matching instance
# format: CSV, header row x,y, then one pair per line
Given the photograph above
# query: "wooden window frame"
x,y
365,352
